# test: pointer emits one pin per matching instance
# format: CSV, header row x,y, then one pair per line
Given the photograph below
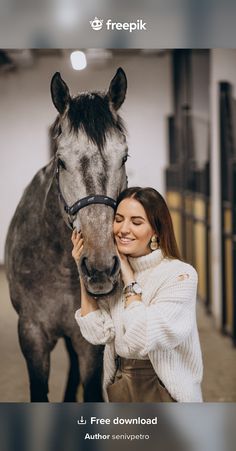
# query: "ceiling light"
x,y
78,60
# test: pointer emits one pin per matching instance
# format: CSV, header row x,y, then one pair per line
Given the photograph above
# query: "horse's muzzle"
x,y
100,281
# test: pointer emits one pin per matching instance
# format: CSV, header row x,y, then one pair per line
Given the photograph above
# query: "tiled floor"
x,y
219,359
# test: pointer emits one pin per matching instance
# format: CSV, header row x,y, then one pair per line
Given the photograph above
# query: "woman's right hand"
x,y
77,241
88,304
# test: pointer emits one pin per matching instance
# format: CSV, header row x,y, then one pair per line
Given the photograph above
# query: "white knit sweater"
x,y
162,327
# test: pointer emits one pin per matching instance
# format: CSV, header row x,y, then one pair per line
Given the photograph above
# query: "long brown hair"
x,y
158,215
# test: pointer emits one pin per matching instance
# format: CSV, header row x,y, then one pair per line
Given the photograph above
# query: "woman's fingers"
x,y
122,257
76,252
77,241
117,250
74,234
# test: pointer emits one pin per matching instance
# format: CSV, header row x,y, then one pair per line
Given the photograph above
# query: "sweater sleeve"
x,y
167,320
97,327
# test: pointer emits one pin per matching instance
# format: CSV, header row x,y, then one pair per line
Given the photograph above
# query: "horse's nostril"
x,y
84,267
116,266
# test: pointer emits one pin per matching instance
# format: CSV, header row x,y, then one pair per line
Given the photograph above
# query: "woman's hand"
x,y
127,273
88,304
77,241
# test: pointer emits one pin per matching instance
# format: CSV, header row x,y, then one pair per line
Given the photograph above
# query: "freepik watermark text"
x,y
139,25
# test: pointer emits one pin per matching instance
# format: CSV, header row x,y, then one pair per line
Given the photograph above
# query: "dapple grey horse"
x,y
78,188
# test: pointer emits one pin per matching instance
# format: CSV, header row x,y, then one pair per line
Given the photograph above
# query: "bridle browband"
x,y
84,202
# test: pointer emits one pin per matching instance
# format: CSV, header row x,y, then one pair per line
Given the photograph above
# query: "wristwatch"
x,y
132,288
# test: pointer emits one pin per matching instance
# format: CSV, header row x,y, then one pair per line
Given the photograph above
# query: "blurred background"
x,y
180,116
170,23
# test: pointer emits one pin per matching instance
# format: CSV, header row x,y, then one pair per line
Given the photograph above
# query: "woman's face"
x,y
132,229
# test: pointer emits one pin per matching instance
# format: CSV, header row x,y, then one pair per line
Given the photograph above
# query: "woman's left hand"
x,y
127,273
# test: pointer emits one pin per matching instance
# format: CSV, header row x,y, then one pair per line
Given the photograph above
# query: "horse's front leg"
x,y
73,375
91,364
36,349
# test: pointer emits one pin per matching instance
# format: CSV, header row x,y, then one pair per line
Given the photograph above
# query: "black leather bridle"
x,y
84,202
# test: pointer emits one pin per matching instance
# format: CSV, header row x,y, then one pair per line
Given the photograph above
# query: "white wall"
x,y
26,113
223,68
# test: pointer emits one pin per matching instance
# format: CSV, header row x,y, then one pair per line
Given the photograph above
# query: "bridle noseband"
x,y
84,202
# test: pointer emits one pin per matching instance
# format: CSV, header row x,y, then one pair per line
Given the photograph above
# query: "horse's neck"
x,y
52,213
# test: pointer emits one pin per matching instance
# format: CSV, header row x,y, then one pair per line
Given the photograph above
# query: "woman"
x,y
152,351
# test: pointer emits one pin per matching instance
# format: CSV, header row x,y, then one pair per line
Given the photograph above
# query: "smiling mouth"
x,y
123,240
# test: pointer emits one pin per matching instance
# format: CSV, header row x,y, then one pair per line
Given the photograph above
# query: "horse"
x,y
76,189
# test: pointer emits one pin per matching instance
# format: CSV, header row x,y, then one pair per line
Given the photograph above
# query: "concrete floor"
x,y
219,384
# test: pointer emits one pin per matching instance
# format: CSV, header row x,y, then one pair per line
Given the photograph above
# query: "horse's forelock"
x,y
91,113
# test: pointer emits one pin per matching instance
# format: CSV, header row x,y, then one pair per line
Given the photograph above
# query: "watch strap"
x,y
128,287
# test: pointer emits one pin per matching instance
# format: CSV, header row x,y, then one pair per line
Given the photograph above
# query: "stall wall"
x,y
223,68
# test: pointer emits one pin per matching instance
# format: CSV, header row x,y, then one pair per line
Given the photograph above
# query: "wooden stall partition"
x,y
228,200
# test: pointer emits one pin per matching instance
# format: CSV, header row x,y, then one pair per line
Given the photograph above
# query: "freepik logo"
x,y
96,24
139,25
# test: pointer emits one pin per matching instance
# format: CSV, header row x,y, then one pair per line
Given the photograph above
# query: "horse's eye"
x,y
61,163
124,159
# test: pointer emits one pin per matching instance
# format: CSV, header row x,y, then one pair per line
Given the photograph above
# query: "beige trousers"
x,y
136,381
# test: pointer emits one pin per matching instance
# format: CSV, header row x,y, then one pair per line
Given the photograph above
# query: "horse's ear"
x,y
117,89
59,92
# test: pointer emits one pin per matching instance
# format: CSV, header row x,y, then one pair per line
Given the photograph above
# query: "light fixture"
x,y
78,60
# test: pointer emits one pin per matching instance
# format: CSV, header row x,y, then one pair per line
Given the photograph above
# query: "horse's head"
x,y
91,154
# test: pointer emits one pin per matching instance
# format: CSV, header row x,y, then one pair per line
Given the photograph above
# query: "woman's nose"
x,y
125,228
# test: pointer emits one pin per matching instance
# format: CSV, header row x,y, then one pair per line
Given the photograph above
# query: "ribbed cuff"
x,y
95,327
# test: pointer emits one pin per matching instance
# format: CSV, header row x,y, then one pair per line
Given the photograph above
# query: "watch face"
x,y
137,288
134,287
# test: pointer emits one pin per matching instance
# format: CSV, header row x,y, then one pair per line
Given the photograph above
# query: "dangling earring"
x,y
154,243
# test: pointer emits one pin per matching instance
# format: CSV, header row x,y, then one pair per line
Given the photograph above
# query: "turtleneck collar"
x,y
146,261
